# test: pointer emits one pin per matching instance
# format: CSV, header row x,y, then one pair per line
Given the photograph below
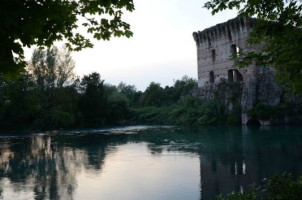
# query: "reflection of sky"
x,y
177,164
133,173
10,192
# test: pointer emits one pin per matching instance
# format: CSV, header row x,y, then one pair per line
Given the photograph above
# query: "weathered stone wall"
x,y
215,46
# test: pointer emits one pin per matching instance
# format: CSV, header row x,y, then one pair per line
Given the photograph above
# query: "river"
x,y
145,162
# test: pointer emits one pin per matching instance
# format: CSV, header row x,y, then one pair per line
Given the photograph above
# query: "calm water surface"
x,y
156,163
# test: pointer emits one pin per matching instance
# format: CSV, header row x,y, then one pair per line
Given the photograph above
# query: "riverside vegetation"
x,y
50,96
284,186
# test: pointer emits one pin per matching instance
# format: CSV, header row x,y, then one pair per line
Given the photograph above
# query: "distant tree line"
x,y
50,96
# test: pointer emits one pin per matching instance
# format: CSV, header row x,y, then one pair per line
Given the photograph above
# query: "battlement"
x,y
229,29
215,46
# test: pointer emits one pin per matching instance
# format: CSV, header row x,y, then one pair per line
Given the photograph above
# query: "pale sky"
x,y
161,50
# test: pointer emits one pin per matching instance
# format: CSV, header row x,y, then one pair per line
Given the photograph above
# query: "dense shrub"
x,y
191,113
234,117
282,187
118,109
267,112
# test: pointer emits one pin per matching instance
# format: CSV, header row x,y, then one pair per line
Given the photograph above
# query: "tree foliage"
x,y
278,30
186,86
282,187
129,91
93,102
153,95
37,22
52,67
48,96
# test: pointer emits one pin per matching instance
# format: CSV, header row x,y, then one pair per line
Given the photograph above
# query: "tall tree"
x,y
42,22
154,95
52,67
65,68
21,104
184,87
128,91
52,73
93,102
278,29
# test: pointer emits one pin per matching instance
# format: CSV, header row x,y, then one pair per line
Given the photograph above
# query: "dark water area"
x,y
145,162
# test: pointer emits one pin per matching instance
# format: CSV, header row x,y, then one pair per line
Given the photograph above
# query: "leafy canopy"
x,y
279,32
278,187
42,22
52,67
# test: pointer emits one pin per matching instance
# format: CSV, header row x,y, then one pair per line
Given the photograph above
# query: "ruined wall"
x,y
215,46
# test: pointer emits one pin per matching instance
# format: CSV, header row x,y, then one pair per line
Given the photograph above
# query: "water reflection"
x,y
156,164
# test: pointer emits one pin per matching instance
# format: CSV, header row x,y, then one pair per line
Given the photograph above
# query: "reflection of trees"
x,y
51,164
230,158
36,161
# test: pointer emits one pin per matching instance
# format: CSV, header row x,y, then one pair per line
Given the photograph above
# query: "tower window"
x,y
235,50
234,76
213,55
237,76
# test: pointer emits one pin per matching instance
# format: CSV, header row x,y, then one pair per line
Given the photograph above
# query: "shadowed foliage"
x,y
41,23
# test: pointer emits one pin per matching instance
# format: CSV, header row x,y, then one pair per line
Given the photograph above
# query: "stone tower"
x,y
215,46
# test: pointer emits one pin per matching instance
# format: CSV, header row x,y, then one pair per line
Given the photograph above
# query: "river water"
x,y
142,162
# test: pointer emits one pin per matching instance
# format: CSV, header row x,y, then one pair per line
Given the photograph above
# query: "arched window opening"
x,y
212,78
213,55
229,33
237,76
234,76
235,50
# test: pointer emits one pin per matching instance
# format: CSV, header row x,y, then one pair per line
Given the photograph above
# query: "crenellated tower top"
x,y
229,29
